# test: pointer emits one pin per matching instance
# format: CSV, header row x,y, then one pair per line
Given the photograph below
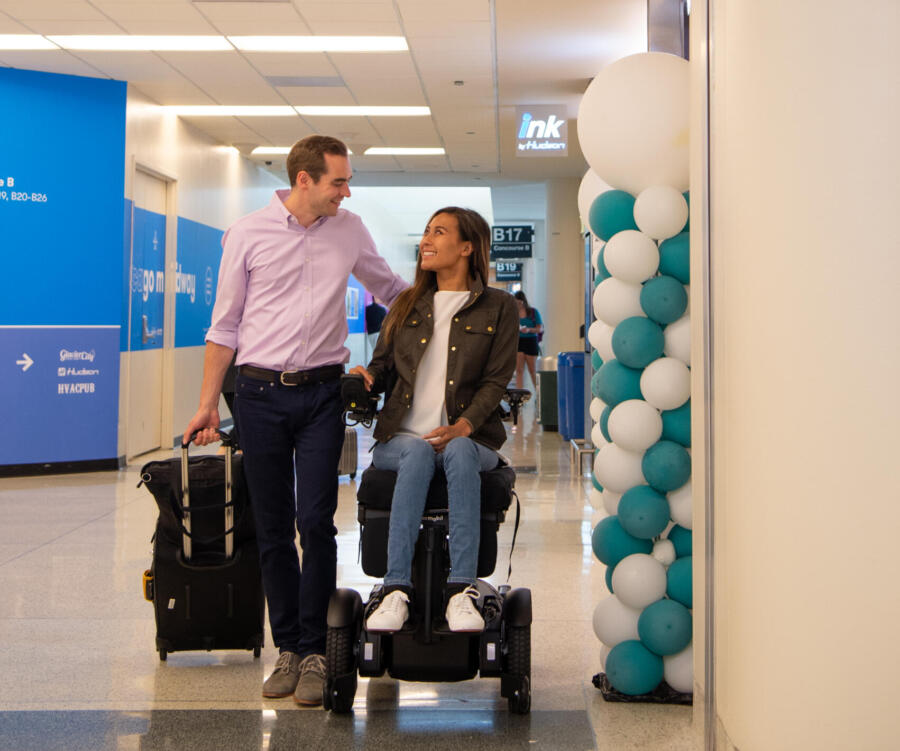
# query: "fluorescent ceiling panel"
x,y
356,111
140,42
390,151
319,43
215,110
25,42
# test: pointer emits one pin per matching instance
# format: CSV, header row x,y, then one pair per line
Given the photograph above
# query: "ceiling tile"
x,y
291,64
316,95
10,26
55,10
225,76
436,11
343,11
176,90
354,27
178,11
129,66
280,131
51,27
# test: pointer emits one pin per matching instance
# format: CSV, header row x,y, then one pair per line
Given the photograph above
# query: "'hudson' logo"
x,y
541,132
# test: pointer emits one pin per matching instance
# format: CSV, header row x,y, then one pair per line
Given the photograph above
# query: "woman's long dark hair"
x,y
520,295
472,228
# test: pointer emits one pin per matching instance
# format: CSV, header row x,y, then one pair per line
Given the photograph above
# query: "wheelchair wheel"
x,y
518,669
340,669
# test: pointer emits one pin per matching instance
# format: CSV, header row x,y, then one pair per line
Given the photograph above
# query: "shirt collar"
x,y
286,217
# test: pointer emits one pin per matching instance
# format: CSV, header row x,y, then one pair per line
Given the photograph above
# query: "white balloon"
x,y
597,407
596,498
595,254
634,424
666,383
633,122
604,653
639,580
677,339
591,187
664,552
681,505
611,501
678,670
615,622
597,437
600,337
615,300
618,469
660,211
631,256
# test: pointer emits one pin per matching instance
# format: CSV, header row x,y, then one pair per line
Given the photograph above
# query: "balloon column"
x,y
633,129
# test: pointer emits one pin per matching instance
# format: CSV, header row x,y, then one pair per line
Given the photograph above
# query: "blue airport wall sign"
x,y
196,277
62,393
148,280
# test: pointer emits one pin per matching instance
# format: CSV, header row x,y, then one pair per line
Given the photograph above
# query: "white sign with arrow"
x,y
26,362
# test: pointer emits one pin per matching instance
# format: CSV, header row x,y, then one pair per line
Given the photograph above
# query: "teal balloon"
x,y
615,383
687,224
665,627
679,581
604,422
611,543
663,299
638,341
633,669
602,271
598,279
596,360
666,466
596,484
642,512
677,424
683,541
609,573
675,257
611,212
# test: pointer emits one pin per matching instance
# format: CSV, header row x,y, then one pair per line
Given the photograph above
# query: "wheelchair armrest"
x,y
359,405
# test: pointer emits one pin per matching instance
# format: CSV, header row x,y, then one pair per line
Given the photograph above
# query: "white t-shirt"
x,y
429,410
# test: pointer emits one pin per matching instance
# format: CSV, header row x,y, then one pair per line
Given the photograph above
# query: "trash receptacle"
x,y
570,385
546,393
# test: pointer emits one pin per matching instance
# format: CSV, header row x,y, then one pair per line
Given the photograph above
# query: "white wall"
x,y
805,117
214,186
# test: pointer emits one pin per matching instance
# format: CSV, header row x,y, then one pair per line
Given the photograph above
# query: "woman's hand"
x,y
367,376
440,437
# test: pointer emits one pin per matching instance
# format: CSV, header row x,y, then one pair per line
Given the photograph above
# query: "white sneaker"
x,y
462,615
391,614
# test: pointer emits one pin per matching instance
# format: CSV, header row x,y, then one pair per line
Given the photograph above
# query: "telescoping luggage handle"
x,y
228,443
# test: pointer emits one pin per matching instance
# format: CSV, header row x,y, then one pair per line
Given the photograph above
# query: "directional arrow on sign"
x,y
26,362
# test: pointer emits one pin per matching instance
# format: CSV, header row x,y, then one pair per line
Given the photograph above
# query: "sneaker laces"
x,y
314,664
464,602
393,601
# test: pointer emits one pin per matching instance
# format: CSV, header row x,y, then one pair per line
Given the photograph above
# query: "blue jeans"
x,y
414,460
291,437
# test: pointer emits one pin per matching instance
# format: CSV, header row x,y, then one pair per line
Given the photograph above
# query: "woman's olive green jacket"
x,y
481,359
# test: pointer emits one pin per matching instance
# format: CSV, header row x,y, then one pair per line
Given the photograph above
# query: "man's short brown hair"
x,y
308,155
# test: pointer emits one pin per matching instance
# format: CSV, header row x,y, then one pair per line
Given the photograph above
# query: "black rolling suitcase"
x,y
205,581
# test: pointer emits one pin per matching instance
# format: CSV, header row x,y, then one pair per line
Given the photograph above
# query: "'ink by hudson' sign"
x,y
542,131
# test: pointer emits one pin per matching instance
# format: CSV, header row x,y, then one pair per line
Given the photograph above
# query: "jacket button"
x,y
422,341
406,396
413,322
490,328
456,319
453,348
468,328
451,381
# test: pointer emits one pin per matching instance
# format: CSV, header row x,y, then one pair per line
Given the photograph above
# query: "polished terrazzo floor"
x,y
79,669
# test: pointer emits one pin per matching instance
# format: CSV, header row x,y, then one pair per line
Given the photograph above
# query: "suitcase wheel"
x,y
163,654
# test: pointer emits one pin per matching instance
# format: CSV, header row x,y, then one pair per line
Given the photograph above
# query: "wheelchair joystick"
x,y
516,398
359,405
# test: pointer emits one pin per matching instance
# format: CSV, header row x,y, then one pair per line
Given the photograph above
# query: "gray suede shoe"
x,y
284,678
312,681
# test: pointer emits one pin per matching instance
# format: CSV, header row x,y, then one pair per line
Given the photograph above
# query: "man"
x,y
280,305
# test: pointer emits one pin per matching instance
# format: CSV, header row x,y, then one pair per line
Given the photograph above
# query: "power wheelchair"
x,y
425,649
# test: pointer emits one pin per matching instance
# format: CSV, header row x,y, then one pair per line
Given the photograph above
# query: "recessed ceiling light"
x,y
139,42
217,110
355,111
390,151
25,42
319,43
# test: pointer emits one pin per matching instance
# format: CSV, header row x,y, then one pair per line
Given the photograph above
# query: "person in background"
x,y
280,305
531,328
449,341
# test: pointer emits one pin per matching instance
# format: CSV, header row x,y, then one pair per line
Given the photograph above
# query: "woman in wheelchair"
x,y
448,347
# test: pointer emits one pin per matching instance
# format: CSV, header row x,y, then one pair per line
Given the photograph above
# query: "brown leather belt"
x,y
293,377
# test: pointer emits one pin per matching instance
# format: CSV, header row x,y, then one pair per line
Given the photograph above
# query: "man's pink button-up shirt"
x,y
282,286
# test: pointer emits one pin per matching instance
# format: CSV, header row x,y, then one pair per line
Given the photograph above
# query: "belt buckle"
x,y
287,373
